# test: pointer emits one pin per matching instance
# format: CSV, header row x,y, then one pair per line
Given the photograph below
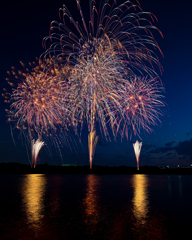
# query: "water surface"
x,y
40,206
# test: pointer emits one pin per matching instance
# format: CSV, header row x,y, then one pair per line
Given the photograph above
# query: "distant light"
x,y
167,166
178,166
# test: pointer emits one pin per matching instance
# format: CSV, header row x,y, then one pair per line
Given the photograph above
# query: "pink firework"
x,y
141,100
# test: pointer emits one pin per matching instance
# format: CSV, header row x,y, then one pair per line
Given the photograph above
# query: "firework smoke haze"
x,y
137,148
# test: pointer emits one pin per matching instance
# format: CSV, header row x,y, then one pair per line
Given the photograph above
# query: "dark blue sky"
x,y
23,27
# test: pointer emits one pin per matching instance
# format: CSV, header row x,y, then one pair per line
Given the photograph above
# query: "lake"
x,y
40,206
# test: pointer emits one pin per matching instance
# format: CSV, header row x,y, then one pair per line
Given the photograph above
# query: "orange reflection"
x,y
140,198
33,189
136,221
91,199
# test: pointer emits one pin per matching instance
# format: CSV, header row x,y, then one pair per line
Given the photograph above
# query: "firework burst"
x,y
37,100
93,83
89,74
125,25
103,56
115,46
37,106
141,100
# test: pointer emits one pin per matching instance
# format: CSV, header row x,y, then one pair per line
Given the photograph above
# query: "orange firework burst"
x,y
37,99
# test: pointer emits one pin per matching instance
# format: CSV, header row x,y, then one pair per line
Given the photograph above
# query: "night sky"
x,y
23,26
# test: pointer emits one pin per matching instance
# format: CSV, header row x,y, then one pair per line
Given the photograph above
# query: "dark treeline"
x,y
18,168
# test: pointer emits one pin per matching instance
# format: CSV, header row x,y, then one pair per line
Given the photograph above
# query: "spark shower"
x,y
35,147
137,149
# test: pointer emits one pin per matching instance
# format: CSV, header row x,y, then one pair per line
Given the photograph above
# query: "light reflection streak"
x,y
140,198
91,200
33,190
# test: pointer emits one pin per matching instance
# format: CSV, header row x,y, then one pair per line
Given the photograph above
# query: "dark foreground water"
x,y
95,207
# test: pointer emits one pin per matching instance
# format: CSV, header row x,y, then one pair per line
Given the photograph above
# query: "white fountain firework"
x,y
137,148
92,142
36,147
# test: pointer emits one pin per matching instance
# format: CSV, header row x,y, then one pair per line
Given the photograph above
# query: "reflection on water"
x,y
91,199
33,189
140,198
110,207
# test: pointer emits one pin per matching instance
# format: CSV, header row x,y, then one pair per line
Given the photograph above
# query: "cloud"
x,y
189,133
162,150
169,144
148,146
183,158
170,154
184,148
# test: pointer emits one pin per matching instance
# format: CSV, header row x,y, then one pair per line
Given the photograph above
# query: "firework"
x,y
140,99
102,55
37,106
92,142
124,25
35,147
137,148
37,100
92,90
89,75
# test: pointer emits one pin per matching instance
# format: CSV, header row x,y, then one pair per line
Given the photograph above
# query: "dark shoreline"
x,y
18,168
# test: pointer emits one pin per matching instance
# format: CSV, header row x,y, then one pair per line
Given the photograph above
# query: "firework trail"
x,y
137,148
93,89
35,147
92,142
